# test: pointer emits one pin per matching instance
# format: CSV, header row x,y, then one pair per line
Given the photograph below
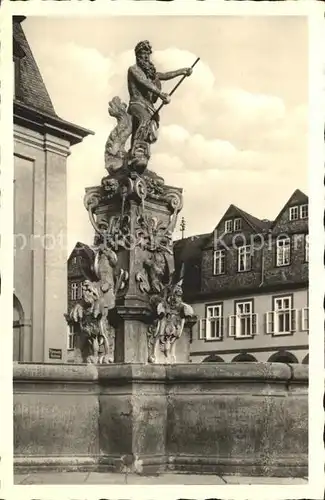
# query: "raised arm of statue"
x,y
173,74
141,78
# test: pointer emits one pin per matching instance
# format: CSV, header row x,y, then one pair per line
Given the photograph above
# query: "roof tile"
x,y
33,92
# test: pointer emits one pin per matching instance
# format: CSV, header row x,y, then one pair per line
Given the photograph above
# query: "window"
x,y
214,322
298,212
228,226
71,337
237,224
307,248
303,211
219,258
244,322
282,320
294,213
76,291
211,327
244,258
305,319
283,251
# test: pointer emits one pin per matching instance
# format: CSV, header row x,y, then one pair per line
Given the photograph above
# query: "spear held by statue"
x,y
175,88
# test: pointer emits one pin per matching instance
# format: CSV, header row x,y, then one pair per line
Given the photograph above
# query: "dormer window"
x,y
303,211
233,225
229,224
237,224
294,213
298,212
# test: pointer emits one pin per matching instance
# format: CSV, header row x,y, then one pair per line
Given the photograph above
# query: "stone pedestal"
x,y
135,301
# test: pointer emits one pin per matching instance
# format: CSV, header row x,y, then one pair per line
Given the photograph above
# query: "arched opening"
x,y
213,358
283,357
305,361
244,358
18,322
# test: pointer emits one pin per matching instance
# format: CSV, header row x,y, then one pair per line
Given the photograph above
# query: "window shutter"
x,y
293,320
269,317
304,319
254,324
232,326
202,329
221,323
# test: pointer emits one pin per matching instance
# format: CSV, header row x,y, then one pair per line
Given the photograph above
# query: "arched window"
x,y
283,357
18,322
213,358
243,358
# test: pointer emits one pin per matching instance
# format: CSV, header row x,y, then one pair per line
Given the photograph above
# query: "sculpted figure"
x,y
144,85
171,314
91,313
140,118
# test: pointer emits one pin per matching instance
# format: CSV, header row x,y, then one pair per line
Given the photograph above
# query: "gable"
x,y
297,199
80,262
248,224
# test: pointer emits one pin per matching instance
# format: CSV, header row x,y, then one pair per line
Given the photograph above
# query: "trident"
x,y
176,87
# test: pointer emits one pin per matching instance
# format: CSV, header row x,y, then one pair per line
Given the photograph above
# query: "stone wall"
x,y
222,418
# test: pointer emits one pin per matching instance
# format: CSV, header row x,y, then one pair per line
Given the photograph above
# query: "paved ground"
x,y
111,478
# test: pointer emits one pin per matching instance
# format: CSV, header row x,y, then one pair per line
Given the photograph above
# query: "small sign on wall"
x,y
55,353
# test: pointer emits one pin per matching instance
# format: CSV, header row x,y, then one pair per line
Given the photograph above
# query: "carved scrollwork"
x,y
91,202
142,280
175,201
140,189
92,199
122,281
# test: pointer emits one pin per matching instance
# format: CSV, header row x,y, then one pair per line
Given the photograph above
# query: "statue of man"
x,y
144,85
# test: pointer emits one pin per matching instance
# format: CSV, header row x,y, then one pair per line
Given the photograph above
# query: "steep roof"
x,y
33,107
189,248
80,248
253,221
297,196
32,90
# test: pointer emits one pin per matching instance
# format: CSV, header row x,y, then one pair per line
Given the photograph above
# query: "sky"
x,y
235,131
